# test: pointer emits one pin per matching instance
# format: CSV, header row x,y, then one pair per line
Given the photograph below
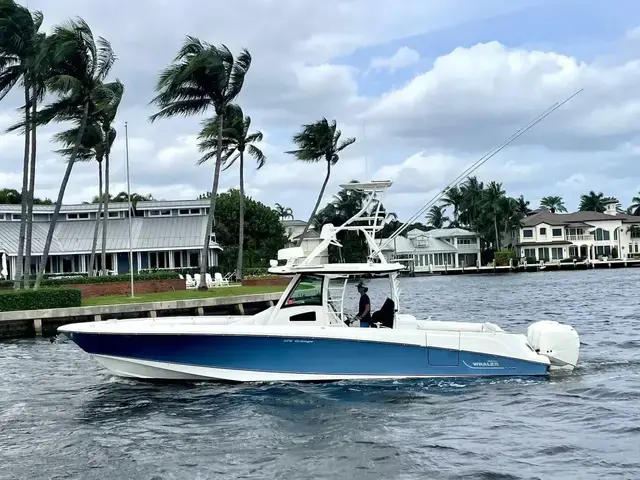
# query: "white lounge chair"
x,y
191,283
218,280
210,282
197,278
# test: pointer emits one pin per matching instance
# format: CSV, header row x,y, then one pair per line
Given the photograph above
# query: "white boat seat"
x,y
458,326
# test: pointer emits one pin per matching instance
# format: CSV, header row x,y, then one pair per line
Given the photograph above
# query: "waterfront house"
x,y
164,235
551,237
294,229
436,249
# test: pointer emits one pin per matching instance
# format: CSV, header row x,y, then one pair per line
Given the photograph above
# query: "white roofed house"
x,y
436,249
553,237
164,235
294,229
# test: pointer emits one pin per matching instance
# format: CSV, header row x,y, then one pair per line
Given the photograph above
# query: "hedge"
x,y
161,275
39,299
502,258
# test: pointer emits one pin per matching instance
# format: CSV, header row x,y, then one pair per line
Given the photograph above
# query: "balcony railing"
x,y
467,246
580,238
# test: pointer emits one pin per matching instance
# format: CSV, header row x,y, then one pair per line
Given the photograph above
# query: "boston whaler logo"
x,y
488,363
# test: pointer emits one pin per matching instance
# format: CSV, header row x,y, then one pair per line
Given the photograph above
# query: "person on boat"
x,y
364,310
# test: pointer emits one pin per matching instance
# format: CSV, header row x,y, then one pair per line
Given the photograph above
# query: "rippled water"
x,y
63,417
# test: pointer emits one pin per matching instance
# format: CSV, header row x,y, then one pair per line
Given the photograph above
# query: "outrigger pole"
x,y
477,164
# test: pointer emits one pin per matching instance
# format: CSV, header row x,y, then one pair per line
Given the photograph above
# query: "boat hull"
x,y
280,358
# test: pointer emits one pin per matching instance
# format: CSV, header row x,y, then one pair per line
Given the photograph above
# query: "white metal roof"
x,y
83,207
76,237
168,204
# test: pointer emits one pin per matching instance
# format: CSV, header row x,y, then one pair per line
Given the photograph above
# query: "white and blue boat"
x,y
308,336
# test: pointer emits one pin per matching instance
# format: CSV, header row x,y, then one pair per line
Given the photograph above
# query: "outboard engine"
x,y
557,341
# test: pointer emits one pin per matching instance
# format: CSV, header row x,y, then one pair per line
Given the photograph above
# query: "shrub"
x,y
502,258
39,299
159,275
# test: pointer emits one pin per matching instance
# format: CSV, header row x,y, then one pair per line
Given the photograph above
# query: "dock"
x,y
29,323
523,267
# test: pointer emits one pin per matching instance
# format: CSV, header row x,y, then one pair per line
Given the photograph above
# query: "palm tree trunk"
x,y
92,259
105,201
212,209
495,224
241,220
315,209
63,187
25,188
32,186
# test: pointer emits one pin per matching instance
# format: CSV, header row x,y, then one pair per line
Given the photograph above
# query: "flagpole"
x,y
126,143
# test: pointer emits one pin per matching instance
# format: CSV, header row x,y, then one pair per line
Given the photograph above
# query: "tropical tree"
x,y
436,217
471,204
92,147
202,76
492,201
20,61
553,204
284,212
316,142
237,139
106,118
634,208
592,202
453,197
79,66
523,206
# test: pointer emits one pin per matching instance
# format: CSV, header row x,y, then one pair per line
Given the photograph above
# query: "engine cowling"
x,y
557,341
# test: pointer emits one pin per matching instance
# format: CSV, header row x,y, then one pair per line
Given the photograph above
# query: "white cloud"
x,y
451,113
403,57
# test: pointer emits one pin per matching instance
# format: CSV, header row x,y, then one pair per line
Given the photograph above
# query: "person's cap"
x,y
360,285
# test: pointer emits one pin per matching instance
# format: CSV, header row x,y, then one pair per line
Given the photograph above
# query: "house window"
x,y
464,241
557,232
602,234
556,253
530,253
16,217
111,214
194,259
77,216
615,234
543,231
158,260
2,216
543,254
159,213
527,233
189,211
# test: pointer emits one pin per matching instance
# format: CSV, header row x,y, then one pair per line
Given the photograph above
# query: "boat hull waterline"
x,y
280,358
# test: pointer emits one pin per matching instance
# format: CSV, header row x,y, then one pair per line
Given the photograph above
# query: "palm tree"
x,y
107,117
237,139
592,202
492,202
523,206
453,198
319,141
284,212
634,209
553,204
79,66
20,60
436,217
471,202
92,147
202,76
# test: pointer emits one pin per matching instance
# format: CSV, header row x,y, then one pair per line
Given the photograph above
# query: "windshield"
x,y
308,291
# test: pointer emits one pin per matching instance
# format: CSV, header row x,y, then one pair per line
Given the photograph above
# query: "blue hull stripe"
x,y
304,355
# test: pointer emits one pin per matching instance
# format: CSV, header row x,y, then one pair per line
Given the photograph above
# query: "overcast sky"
x,y
426,86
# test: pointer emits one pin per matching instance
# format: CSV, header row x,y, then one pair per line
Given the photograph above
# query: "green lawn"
x,y
179,295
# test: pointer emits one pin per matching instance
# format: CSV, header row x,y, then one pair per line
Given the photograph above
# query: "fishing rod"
x,y
474,166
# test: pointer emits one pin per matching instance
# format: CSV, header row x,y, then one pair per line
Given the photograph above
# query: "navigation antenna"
x,y
472,168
